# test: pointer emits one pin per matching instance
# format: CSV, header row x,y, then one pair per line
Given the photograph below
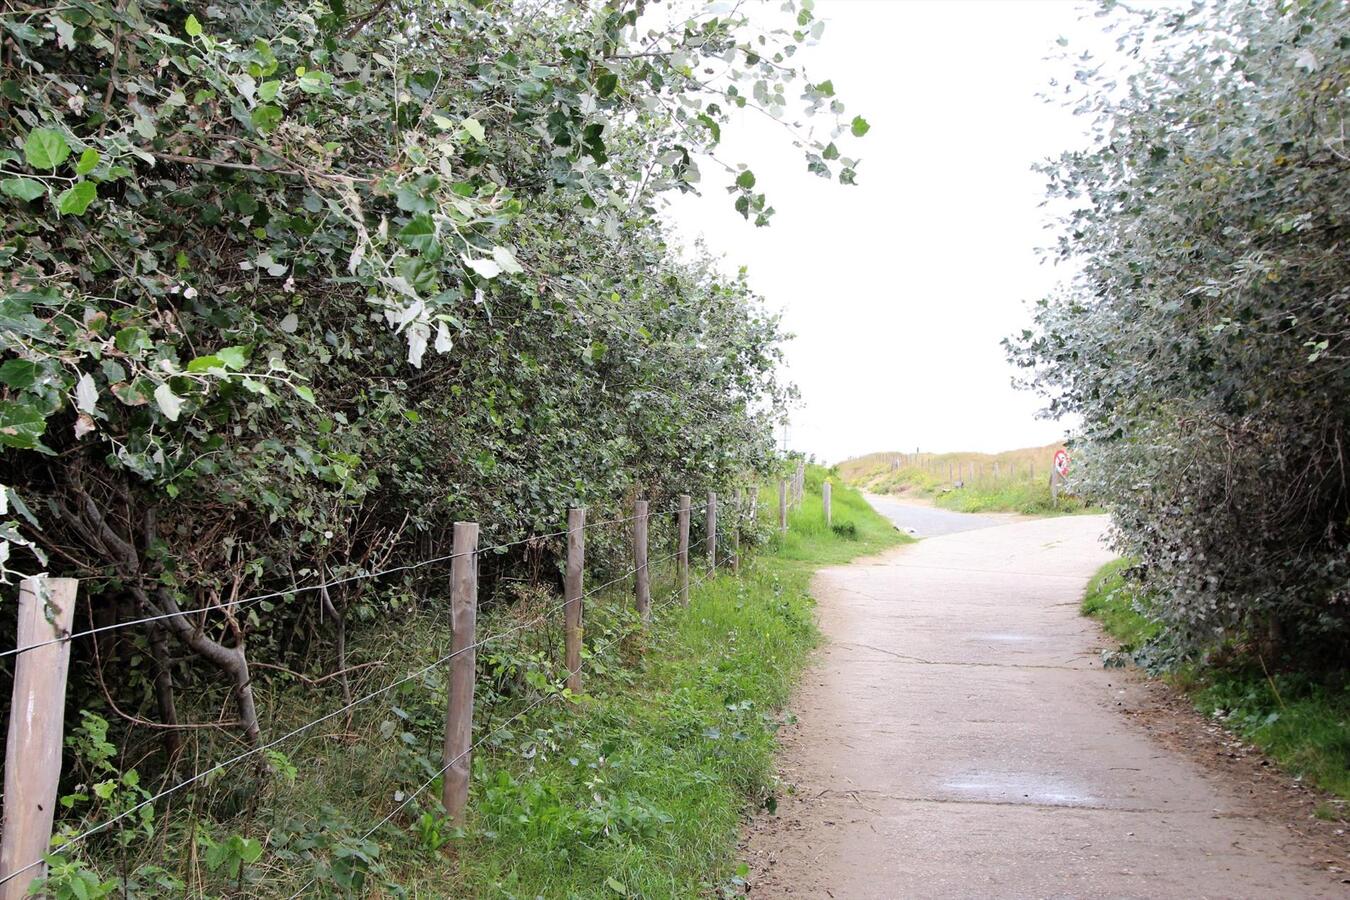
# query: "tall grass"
x,y
635,788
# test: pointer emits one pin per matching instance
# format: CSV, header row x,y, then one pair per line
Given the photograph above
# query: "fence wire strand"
x,y
321,586
539,701
365,698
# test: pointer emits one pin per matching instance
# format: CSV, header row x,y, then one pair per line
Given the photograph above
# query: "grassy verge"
x,y
1026,497
635,788
1301,722
644,789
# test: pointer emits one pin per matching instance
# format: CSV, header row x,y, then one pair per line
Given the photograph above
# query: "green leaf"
x,y
234,358
192,26
419,233
616,886
474,129
23,188
45,148
205,364
88,161
745,180
304,392
860,126
710,123
21,425
606,82
266,117
268,90
76,199
250,850
418,273
217,855
830,151
19,374
133,340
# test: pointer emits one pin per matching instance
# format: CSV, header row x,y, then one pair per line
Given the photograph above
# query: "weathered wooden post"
x,y
573,579
459,713
782,505
682,559
737,508
996,470
825,500
642,578
36,726
712,531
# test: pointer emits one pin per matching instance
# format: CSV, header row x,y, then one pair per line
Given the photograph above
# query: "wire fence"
x,y
235,605
519,714
16,848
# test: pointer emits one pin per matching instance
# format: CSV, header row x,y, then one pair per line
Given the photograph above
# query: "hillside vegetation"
x,y
1012,481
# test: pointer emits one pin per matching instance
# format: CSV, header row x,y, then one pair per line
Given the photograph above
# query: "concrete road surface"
x,y
957,737
929,521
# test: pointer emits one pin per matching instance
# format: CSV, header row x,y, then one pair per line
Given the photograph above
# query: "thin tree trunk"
x,y
340,639
90,521
168,710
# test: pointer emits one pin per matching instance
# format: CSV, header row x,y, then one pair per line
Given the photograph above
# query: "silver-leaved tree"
x,y
1205,341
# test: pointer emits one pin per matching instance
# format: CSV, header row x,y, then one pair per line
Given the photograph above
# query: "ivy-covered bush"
x,y
1204,341
286,288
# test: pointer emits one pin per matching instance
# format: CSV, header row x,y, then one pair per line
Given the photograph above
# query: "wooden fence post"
x,y
36,726
682,558
459,713
825,500
782,505
642,584
573,582
712,531
737,505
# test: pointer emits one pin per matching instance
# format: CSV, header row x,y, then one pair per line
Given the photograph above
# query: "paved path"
x,y
957,737
930,521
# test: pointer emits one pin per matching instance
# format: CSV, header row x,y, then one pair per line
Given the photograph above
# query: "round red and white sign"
x,y
1062,462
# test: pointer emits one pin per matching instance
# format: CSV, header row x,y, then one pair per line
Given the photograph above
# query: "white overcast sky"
x,y
900,289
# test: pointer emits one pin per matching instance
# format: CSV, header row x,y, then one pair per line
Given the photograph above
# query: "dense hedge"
x,y
287,288
1204,342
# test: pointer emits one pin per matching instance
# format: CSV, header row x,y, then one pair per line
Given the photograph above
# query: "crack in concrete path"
x,y
937,662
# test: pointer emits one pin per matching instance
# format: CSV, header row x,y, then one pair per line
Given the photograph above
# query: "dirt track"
x,y
958,737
